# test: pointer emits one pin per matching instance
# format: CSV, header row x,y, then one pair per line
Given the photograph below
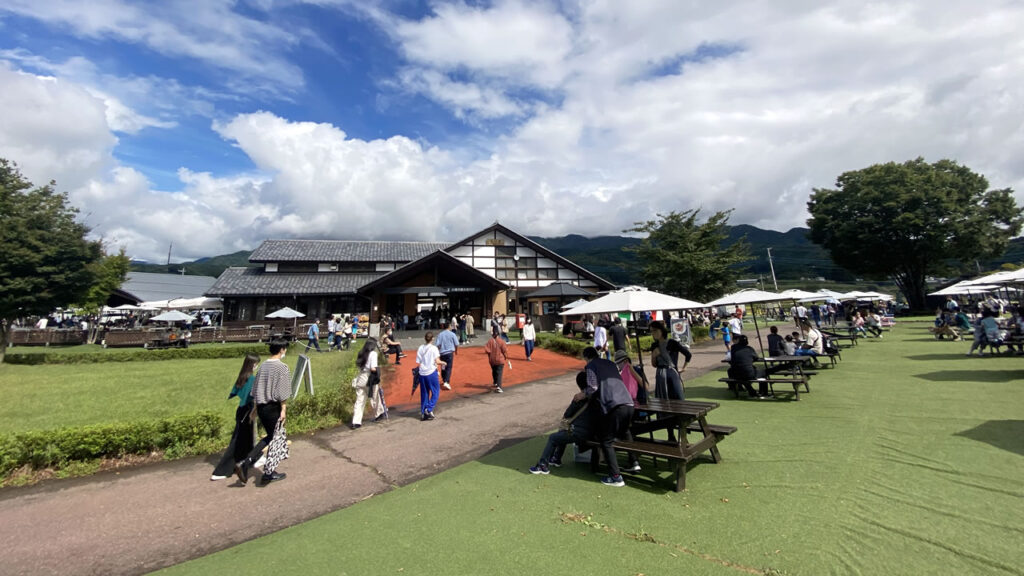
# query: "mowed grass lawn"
x,y
53,396
906,459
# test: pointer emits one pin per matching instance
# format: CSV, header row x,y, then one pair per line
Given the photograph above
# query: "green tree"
x,y
110,272
910,220
684,258
46,261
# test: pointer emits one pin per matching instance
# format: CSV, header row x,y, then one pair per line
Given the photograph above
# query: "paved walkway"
x,y
153,516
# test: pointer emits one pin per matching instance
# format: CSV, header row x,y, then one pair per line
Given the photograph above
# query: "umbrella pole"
x,y
757,331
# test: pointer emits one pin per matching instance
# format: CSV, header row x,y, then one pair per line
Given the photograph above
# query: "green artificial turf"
x,y
906,459
52,396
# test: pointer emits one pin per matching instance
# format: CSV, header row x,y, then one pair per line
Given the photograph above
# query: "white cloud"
x,y
210,31
623,109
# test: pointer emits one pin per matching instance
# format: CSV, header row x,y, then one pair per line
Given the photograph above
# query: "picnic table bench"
x,y
852,338
680,417
736,384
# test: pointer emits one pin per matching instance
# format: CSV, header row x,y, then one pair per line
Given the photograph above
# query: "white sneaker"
x,y
261,462
446,386
216,477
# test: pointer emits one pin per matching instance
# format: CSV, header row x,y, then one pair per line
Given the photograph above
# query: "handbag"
x,y
277,450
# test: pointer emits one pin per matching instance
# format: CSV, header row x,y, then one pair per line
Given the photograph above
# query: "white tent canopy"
x,y
183,304
633,299
1001,277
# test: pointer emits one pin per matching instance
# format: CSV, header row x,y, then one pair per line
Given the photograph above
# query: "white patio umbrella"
x,y
749,296
572,305
172,316
964,288
633,299
797,294
287,312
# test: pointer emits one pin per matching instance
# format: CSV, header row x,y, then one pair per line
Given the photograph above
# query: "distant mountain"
x,y
211,266
793,255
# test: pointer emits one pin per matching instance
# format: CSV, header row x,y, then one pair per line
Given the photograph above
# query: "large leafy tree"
x,y
910,220
46,261
686,258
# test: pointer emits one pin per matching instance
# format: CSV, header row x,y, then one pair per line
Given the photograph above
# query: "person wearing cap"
x,y
634,381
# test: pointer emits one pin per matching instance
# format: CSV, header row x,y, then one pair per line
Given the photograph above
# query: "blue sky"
x,y
216,124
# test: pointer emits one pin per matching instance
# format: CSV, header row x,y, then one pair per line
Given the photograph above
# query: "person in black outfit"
x,y
665,358
776,346
617,333
741,366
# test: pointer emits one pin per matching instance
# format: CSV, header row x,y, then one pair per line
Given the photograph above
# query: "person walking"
x,y
313,336
331,327
429,359
601,338
271,391
529,338
470,325
241,438
367,378
497,356
448,345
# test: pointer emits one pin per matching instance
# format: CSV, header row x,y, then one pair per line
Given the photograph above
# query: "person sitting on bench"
x,y
393,347
579,425
741,366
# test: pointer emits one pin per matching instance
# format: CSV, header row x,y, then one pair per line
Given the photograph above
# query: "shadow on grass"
x,y
937,357
993,376
1004,434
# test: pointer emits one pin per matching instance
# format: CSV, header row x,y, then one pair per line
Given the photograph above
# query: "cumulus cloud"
x,y
620,111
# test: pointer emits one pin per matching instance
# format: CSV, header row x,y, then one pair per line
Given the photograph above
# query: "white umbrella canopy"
x,y
633,299
191,303
172,316
747,296
797,294
572,305
963,288
999,277
285,312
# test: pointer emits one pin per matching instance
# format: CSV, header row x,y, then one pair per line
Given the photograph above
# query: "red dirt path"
x,y
471,374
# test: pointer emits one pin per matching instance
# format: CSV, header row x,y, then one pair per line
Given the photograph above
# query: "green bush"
x,y
562,345
137,355
56,448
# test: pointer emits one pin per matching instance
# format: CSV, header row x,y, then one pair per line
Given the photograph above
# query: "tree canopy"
x,y
46,261
910,220
684,258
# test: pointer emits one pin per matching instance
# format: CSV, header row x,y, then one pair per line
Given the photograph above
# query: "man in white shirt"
x,y
601,339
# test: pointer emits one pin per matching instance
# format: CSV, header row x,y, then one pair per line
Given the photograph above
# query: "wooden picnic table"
x,y
679,417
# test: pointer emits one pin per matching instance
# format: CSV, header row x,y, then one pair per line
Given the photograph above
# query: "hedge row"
x,y
55,448
137,355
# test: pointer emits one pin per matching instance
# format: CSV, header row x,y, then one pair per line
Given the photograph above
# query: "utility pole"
x,y
169,246
772,266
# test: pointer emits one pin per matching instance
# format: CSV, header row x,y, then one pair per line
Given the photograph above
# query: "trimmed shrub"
x,y
55,448
138,355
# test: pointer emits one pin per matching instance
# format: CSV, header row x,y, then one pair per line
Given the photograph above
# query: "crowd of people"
x,y
982,324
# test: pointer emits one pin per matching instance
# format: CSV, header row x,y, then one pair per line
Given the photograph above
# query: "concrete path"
x,y
143,519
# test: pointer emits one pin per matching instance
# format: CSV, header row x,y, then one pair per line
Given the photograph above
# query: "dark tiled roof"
x,y
256,282
559,289
342,251
149,286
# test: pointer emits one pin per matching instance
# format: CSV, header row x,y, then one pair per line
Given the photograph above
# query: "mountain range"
x,y
794,257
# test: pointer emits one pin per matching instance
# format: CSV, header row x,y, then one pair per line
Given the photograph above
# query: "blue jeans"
x,y
449,359
528,344
313,343
557,443
430,388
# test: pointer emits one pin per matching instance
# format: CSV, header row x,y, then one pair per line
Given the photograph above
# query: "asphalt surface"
x,y
158,515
